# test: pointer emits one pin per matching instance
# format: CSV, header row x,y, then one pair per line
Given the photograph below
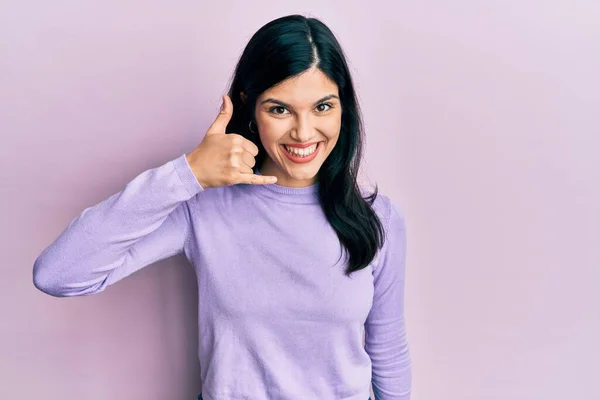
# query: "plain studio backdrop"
x,y
483,124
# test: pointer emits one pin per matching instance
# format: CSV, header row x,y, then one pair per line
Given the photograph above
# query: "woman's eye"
x,y
320,107
275,110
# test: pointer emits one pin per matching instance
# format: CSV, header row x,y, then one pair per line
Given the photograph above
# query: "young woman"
x,y
294,260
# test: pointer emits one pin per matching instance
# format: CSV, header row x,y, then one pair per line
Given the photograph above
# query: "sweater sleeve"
x,y
385,332
147,221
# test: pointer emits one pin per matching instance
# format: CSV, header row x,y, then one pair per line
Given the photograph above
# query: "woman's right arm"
x,y
145,222
148,220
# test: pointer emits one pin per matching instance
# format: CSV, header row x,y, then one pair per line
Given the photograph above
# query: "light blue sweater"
x,y
278,319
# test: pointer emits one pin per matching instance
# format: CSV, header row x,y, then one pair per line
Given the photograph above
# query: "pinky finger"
x,y
254,179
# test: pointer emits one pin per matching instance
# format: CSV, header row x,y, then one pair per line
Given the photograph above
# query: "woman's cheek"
x,y
330,127
271,134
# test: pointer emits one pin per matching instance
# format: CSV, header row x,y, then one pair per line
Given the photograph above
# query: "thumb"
x,y
220,123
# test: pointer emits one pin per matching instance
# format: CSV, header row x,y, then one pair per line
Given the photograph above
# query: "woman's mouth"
x,y
302,155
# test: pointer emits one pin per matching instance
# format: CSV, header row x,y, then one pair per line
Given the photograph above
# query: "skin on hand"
x,y
225,159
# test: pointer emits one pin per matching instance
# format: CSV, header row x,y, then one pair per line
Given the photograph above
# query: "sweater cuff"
x,y
186,175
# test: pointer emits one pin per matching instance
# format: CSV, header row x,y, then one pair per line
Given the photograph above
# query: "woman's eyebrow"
x,y
283,104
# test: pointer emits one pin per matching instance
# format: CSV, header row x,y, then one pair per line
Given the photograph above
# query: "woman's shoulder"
x,y
383,205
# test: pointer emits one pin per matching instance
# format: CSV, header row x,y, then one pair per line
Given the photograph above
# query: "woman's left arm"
x,y
385,332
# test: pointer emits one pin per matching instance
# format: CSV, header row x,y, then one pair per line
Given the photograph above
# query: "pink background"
x,y
483,123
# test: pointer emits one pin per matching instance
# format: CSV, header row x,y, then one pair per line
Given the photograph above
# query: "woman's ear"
x,y
243,97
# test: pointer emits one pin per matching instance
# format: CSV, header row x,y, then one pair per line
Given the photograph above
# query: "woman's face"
x,y
299,123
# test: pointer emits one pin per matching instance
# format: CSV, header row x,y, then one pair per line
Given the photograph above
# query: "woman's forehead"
x,y
302,90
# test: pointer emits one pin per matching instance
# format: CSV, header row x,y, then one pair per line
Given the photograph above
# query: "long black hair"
x,y
284,48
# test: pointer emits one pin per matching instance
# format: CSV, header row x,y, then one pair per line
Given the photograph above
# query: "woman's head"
x,y
292,87
300,111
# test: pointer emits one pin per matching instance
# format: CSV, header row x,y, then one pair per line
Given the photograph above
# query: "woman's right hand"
x,y
225,159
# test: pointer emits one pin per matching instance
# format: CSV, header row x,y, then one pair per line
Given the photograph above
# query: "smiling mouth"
x,y
302,155
301,151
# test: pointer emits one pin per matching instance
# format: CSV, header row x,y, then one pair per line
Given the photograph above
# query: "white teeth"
x,y
301,152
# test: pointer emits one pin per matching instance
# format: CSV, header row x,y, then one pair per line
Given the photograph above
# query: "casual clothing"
x,y
278,319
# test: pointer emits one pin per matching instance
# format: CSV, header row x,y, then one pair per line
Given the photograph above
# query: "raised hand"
x,y
225,159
